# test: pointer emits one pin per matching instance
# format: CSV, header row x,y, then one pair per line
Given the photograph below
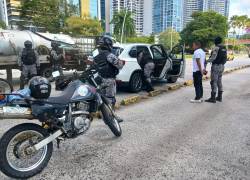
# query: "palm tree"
x,y
234,23
248,24
242,22
129,26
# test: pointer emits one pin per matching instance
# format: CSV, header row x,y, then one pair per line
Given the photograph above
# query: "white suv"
x,y
168,66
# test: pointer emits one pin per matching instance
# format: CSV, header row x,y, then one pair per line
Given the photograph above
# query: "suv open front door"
x,y
177,56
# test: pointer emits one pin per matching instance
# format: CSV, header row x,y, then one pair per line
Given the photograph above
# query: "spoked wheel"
x,y
17,158
5,86
111,121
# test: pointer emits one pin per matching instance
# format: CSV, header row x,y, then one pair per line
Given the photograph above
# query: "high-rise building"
x,y
13,13
147,17
134,6
77,6
167,14
220,6
3,12
191,6
91,8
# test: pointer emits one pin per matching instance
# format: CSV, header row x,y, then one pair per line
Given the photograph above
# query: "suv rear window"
x,y
117,51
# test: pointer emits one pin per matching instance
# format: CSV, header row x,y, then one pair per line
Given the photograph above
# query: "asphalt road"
x,y
240,61
164,138
123,92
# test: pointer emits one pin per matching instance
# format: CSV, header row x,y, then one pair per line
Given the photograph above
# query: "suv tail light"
x,y
123,62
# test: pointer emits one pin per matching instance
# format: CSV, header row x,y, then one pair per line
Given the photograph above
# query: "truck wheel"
x,y
172,79
135,83
46,72
5,86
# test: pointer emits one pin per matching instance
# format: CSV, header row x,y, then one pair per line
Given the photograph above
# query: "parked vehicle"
x,y
76,49
26,149
5,86
169,66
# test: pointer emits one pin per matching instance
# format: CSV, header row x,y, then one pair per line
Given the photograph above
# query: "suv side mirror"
x,y
133,53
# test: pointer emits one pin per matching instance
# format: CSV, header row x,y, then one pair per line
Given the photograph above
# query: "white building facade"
x,y
134,6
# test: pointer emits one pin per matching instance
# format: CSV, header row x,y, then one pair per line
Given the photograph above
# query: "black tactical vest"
x,y
105,68
221,56
28,56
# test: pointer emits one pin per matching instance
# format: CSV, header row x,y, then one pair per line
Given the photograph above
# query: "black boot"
x,y
219,97
212,99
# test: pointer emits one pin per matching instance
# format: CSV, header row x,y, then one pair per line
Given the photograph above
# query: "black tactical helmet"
x,y
28,44
105,42
55,44
40,87
217,40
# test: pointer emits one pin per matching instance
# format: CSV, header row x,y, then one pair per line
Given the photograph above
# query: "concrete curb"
x,y
156,92
188,83
138,98
174,87
130,100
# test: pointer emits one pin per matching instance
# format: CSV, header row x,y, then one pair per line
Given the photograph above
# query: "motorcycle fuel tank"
x,y
83,93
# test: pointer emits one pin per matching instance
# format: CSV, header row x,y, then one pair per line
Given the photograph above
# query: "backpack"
x,y
28,56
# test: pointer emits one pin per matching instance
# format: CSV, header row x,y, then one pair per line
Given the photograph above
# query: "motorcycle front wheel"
x,y
110,120
16,160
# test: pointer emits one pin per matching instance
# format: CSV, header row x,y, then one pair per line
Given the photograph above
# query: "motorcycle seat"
x,y
65,96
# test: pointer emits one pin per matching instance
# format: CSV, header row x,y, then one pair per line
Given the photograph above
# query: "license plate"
x,y
55,74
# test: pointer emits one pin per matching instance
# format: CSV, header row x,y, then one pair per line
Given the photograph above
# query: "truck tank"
x,y
12,41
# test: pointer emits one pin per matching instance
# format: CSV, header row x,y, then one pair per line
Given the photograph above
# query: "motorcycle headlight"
x,y
83,91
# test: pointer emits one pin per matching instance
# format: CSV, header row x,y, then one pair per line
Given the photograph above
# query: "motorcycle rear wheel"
x,y
111,121
14,154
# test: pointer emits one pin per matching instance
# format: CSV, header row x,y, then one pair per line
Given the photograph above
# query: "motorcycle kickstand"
x,y
58,141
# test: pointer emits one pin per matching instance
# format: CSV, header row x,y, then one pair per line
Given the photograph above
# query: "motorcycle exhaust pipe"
x,y
9,112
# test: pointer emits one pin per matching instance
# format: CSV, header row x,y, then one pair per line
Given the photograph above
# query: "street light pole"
x,y
124,19
171,34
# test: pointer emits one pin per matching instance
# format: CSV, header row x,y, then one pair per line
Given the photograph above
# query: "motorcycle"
x,y
26,149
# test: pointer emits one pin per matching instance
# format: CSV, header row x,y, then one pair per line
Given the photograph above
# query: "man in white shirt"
x,y
199,60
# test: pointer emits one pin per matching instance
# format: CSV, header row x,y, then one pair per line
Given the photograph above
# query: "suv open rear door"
x,y
162,63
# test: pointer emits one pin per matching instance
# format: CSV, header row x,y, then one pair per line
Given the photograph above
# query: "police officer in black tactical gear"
x,y
56,57
108,67
147,65
28,62
218,59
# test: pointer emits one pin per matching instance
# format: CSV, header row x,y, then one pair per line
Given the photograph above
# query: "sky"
x,y
240,7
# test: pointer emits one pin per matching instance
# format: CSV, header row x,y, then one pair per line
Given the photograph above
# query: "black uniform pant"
x,y
197,76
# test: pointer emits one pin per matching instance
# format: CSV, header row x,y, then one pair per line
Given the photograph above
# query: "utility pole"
x,y
124,19
171,41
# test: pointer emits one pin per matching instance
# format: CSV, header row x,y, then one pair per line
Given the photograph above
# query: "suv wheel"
x,y
135,83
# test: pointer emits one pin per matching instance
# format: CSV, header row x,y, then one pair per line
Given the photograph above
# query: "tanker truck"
x,y
12,42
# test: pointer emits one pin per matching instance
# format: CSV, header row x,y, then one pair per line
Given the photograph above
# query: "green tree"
x,y
82,26
204,27
129,26
141,39
49,14
165,38
2,25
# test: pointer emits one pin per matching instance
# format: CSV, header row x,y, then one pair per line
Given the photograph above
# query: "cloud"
x,y
240,7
